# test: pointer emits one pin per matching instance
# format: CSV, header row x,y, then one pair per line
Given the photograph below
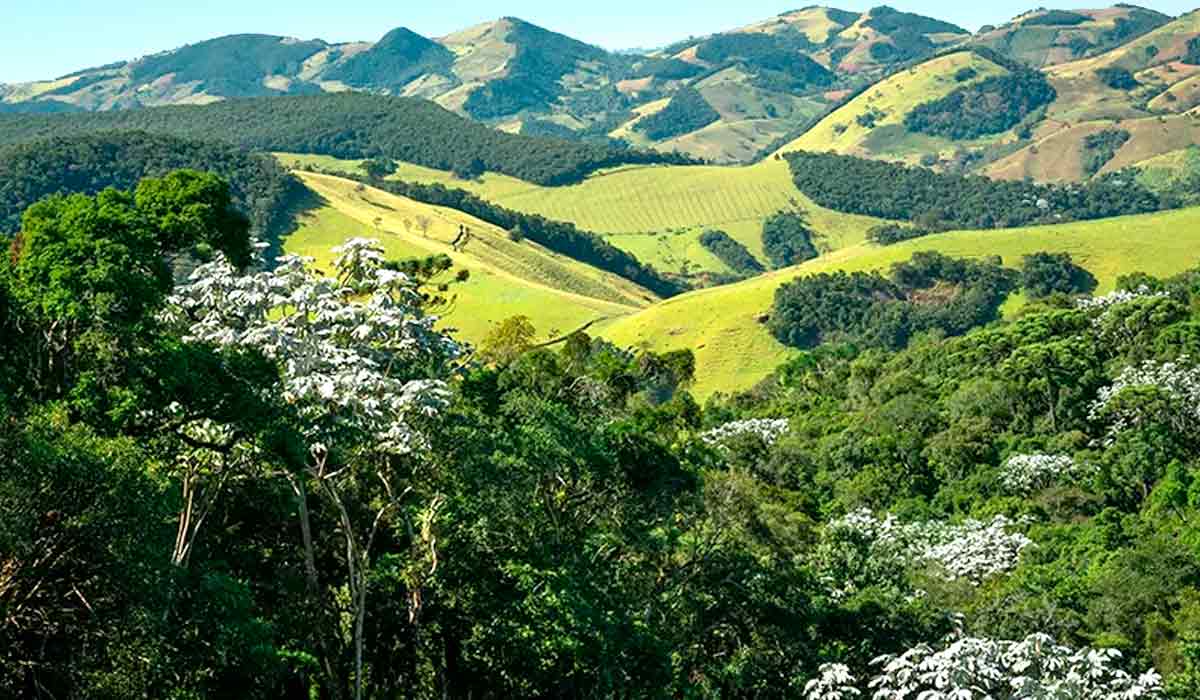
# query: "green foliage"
x,y
1057,18
666,69
1101,147
887,234
730,252
352,126
931,292
1044,274
379,168
991,106
774,61
686,112
936,200
1117,78
886,20
1192,57
787,239
260,188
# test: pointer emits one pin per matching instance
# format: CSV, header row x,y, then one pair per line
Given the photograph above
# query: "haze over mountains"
x,y
726,97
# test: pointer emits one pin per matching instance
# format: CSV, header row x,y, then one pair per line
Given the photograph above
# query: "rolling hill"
x,y
1044,37
507,277
725,326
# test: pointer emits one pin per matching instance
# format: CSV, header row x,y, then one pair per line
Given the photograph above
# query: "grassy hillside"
x,y
872,124
656,213
507,278
724,325
1043,38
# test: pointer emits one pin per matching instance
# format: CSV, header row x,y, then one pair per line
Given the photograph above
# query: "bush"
x,y
887,234
787,239
1044,274
1117,78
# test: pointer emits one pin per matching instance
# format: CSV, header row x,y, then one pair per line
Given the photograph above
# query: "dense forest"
x,y
930,293
686,112
561,237
991,106
397,59
88,164
230,66
940,201
787,239
350,125
264,484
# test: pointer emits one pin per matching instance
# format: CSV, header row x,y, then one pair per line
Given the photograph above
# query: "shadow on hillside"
x,y
300,201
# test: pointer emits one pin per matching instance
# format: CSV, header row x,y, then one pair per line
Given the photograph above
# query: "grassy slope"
x,y
895,97
734,350
507,278
645,206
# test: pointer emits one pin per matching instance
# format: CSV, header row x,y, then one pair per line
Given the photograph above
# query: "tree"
x,y
1043,274
510,339
379,168
787,239
424,223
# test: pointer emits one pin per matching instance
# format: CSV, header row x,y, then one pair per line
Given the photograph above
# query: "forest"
x,y
941,201
686,112
992,106
350,125
29,172
263,483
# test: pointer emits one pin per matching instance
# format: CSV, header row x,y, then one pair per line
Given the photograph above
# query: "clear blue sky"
x,y
47,38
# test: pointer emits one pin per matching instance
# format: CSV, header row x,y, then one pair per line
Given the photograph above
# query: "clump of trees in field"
x,y
730,252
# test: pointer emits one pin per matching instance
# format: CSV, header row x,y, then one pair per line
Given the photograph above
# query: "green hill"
x,y
725,326
1043,38
507,277
349,125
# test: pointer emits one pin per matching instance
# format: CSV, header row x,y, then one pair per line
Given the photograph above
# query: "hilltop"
x,y
727,97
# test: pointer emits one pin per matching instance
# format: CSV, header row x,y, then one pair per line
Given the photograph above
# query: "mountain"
x,y
727,97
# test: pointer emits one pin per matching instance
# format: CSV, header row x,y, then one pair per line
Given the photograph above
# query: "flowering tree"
x,y
1167,393
768,430
1118,297
965,668
1024,474
861,549
360,365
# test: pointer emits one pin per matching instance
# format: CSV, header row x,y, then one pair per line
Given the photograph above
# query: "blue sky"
x,y
47,38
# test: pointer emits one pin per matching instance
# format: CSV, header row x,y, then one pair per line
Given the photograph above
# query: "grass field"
x,y
891,100
723,326
656,213
507,278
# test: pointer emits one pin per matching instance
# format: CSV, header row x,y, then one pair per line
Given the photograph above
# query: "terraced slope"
x,y
724,326
507,277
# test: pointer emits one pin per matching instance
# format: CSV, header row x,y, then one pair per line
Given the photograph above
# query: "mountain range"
x,y
729,97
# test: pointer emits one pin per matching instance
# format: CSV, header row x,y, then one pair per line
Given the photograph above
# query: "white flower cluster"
x,y
1117,298
971,667
973,550
1024,474
1179,380
769,430
346,348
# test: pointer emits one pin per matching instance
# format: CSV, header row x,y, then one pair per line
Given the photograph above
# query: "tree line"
x,y
352,126
940,201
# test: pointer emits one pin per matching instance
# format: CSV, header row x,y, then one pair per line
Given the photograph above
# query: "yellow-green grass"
x,y
506,278
733,348
652,199
893,98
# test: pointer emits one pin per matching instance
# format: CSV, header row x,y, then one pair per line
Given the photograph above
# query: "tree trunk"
x,y
313,584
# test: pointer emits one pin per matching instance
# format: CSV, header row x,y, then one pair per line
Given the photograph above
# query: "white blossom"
x,y
1117,298
966,668
350,350
1024,474
1179,381
769,430
973,551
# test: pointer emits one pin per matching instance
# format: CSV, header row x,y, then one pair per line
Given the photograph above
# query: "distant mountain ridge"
x,y
755,85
